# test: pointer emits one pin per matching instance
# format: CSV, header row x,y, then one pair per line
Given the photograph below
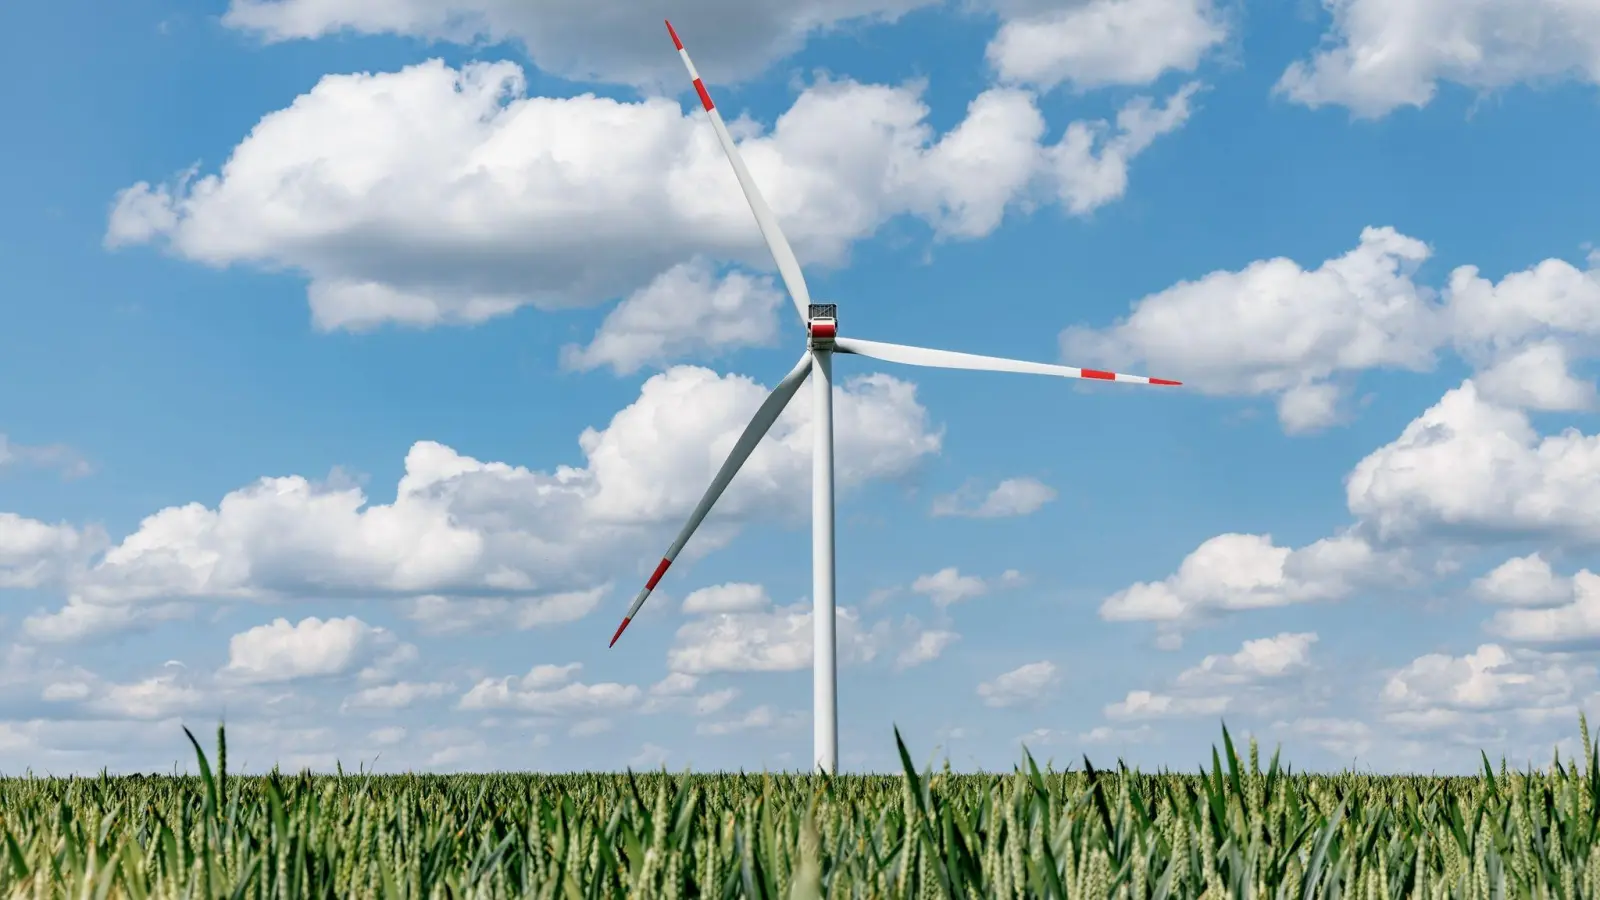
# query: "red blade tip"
x,y
672,31
620,629
1166,381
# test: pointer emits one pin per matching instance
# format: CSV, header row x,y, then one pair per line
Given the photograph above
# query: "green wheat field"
x,y
1234,829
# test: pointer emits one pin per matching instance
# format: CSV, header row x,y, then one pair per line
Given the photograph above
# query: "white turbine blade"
x,y
788,266
949,359
753,433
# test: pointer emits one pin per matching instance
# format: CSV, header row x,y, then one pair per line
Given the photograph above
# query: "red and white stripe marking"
x,y
1100,375
699,86
655,579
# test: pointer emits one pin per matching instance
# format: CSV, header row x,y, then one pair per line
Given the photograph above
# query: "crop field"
x,y
1234,828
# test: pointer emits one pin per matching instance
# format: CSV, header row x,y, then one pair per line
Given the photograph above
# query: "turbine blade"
x,y
949,359
788,266
753,433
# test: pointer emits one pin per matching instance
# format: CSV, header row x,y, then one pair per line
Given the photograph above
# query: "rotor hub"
x,y
822,326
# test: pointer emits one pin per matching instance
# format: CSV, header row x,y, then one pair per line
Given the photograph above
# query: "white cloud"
x,y
1525,332
733,597
1090,164
948,586
59,691
687,310
312,648
1438,690
1384,54
1148,705
1263,659
764,718
440,615
1105,42
1011,497
1233,572
548,690
716,701
1546,300
1537,377
35,553
650,756
1525,581
1340,736
158,697
589,728
1276,329
399,695
461,526
584,41
778,640
927,647
1024,684
1469,468
546,675
1570,613
1255,677
434,195
676,684
63,459
1041,41
392,734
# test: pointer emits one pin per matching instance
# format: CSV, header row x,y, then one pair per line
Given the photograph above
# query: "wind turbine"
x,y
822,342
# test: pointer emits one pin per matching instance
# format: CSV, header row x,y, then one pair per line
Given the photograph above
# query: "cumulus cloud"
x,y
436,195
1011,497
928,646
1041,41
158,697
313,647
1439,692
461,528
1233,572
1473,469
549,690
727,598
441,615
1384,54
1537,377
763,718
1276,329
685,310
773,640
948,586
1550,612
1257,660
676,684
1149,705
606,41
1525,581
400,695
1104,42
35,553
60,457
1258,672
1025,684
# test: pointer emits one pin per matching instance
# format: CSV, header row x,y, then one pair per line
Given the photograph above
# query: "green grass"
x,y
1232,830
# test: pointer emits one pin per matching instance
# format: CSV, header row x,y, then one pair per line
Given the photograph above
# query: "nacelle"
x,y
822,326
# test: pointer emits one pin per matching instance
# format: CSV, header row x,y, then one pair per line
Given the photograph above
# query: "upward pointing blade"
x,y
788,266
753,433
949,359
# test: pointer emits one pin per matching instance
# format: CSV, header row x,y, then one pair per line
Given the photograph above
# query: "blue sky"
x,y
500,255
